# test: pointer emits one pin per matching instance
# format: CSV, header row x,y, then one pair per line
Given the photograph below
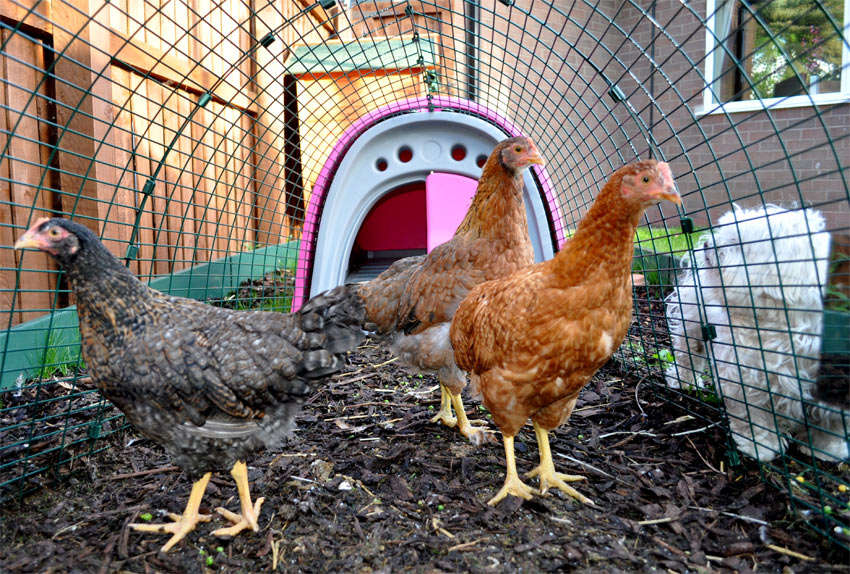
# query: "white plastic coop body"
x,y
375,191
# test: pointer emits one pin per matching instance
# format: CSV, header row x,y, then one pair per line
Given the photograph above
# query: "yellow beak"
x,y
28,241
672,195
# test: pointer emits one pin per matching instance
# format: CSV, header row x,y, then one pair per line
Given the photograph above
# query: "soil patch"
x,y
368,484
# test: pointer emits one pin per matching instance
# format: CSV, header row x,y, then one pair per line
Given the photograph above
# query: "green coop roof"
x,y
344,57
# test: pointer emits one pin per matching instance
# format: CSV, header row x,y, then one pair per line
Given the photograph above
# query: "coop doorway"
x,y
399,184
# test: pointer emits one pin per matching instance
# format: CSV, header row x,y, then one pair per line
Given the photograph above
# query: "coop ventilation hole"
x,y
405,154
459,153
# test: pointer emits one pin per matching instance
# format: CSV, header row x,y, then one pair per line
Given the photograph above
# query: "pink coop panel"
x,y
383,228
447,199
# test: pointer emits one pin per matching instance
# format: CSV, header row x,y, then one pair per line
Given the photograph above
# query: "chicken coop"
x,y
251,153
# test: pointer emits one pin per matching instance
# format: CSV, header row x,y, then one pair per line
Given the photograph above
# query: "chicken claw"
x,y
444,415
240,521
185,523
513,485
546,470
250,512
476,435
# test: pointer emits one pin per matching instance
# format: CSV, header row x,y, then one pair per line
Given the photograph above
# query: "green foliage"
x,y
60,356
837,300
800,28
666,240
664,357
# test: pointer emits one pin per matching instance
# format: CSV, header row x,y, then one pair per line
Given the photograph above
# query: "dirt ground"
x,y
368,484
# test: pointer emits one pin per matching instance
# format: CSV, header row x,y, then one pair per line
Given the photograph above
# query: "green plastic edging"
x,y
25,343
322,59
836,333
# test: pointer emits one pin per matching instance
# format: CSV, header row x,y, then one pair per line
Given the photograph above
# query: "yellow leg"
x,y
546,469
475,434
250,512
513,485
185,523
444,415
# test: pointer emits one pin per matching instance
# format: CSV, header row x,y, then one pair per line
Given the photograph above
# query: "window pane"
x,y
777,48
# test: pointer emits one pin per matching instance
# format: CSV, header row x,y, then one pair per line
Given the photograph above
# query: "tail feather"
x,y
340,314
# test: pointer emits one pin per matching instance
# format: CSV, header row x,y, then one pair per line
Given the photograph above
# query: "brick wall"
x,y
547,71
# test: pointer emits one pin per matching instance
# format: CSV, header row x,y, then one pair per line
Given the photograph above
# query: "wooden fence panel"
x,y
128,74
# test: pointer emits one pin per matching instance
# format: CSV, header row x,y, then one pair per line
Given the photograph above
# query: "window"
x,y
776,53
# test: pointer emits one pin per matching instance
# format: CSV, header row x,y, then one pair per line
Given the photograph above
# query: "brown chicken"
x,y
532,340
210,385
415,299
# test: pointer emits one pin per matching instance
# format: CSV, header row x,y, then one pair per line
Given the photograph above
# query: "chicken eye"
x,y
518,149
54,232
645,179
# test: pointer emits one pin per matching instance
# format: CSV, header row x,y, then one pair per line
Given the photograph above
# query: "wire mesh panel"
x,y
191,137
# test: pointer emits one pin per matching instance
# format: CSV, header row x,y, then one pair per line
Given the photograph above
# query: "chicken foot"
x,y
513,485
546,470
476,435
444,415
250,512
185,523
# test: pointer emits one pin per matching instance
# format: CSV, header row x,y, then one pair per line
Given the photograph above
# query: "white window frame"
x,y
709,106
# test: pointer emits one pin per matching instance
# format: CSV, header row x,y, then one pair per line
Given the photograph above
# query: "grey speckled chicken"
x,y
210,385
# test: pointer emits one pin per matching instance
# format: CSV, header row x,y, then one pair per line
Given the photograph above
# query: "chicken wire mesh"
x,y
199,140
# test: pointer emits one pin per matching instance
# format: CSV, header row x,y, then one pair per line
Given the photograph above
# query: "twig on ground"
x,y
300,479
656,521
358,483
695,430
591,467
351,380
637,400
144,472
681,419
393,360
633,433
702,458
349,418
788,552
437,528
466,546
669,547
732,514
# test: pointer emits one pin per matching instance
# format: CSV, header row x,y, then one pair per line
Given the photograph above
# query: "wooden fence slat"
x,y
270,209
202,182
128,183
138,89
84,87
8,234
185,182
46,108
156,146
24,169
